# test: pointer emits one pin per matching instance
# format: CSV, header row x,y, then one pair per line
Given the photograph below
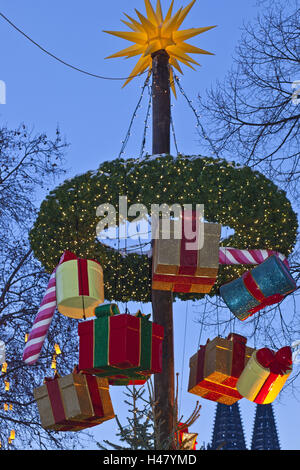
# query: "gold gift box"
x,y
167,274
65,404
166,253
214,380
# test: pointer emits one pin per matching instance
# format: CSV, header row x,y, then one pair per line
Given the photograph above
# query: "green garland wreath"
x,y
234,196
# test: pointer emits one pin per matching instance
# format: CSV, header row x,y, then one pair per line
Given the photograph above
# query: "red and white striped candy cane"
x,y
41,323
229,255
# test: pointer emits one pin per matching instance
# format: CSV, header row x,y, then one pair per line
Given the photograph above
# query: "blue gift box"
x,y
266,284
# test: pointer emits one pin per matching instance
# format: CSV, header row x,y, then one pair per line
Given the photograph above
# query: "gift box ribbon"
x,y
143,361
188,257
278,363
255,291
238,358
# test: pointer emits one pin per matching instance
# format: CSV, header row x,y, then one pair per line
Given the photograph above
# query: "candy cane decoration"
x,y
41,323
229,255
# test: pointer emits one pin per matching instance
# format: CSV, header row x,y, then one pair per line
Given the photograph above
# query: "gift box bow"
x,y
110,310
69,256
279,363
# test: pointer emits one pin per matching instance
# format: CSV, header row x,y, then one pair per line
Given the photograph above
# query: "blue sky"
x,y
94,116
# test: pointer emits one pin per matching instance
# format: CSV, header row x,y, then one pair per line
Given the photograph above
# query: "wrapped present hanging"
x,y
67,295
265,375
216,367
79,286
74,402
121,346
264,285
178,264
184,439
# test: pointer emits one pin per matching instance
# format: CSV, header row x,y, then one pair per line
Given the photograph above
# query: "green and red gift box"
x,y
120,347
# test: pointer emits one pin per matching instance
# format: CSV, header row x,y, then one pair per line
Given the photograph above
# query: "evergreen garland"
x,y
233,195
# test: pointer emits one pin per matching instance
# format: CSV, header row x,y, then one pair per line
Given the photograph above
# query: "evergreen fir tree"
x,y
138,434
142,431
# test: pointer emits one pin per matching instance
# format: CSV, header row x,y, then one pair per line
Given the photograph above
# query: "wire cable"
x,y
174,135
63,61
183,353
125,141
177,80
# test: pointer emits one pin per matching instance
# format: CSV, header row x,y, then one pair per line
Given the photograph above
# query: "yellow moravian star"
x,y
153,33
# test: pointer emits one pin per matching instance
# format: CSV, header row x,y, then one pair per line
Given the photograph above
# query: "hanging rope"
x,y
127,137
202,323
146,121
77,244
124,250
173,133
183,353
199,124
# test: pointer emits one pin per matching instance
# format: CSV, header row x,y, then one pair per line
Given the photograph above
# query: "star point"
x,y
154,32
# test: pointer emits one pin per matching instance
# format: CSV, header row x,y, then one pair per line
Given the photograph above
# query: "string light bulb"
x,y
12,436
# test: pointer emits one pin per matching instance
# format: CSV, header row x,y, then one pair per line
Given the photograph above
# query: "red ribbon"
x,y
83,280
188,258
238,358
279,363
69,255
255,291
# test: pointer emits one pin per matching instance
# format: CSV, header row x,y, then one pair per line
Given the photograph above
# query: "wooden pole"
x,y
162,301
161,103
